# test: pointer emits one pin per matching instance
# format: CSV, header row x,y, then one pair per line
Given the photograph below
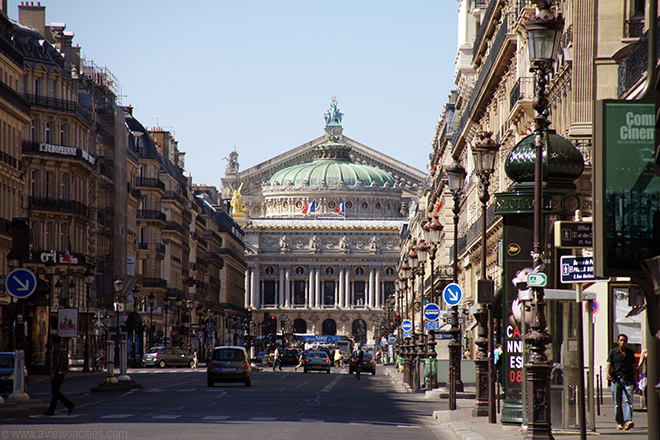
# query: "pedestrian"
x,y
642,381
359,357
497,359
195,361
621,373
337,357
301,357
467,354
276,359
59,369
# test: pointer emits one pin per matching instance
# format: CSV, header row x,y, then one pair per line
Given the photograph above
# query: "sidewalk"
x,y
465,427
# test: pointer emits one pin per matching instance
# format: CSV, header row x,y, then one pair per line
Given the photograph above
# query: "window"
x,y
63,134
49,237
270,292
64,186
34,183
50,181
47,137
328,293
37,86
359,288
34,131
299,292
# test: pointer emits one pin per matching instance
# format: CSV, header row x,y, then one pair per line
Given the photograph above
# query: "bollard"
x,y
110,362
123,361
19,377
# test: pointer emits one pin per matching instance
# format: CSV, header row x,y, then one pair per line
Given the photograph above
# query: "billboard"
x,y
626,190
67,323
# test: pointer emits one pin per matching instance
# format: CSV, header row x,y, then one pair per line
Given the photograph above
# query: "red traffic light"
x,y
391,324
396,314
249,309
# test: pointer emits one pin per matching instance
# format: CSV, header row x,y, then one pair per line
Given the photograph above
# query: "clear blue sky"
x,y
259,74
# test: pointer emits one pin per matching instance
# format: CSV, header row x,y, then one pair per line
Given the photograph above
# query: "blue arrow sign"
x,y
431,312
21,283
452,294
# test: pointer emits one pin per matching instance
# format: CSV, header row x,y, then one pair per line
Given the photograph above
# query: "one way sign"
x,y
21,283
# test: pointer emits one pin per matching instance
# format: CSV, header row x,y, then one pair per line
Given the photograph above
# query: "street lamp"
x,y
456,177
152,298
543,35
422,253
484,153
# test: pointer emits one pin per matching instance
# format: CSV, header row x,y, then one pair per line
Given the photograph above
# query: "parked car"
x,y
7,372
229,364
368,364
168,357
289,356
316,360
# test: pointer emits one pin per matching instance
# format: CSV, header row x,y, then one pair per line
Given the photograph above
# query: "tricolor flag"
x,y
438,208
305,208
312,207
340,208
67,255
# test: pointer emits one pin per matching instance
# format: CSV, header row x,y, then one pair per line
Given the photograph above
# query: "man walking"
x,y
276,359
60,367
620,371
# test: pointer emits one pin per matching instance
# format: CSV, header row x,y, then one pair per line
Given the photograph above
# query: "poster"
x,y
67,323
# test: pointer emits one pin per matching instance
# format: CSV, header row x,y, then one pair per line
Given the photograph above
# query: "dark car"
x,y
229,364
290,356
368,364
316,360
168,357
7,372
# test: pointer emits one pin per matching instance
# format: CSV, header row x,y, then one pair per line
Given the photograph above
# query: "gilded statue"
x,y
237,206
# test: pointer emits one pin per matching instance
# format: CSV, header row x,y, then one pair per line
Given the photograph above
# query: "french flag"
x,y
340,208
312,207
67,255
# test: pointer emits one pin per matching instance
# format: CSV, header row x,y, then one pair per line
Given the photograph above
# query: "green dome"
x,y
332,165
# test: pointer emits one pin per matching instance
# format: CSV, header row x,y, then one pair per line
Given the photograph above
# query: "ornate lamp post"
x,y
422,253
485,152
456,177
118,285
416,340
405,274
543,34
89,279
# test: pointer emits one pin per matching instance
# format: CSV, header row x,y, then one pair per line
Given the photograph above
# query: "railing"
x,y
150,182
634,28
57,105
154,282
150,214
481,32
174,226
14,99
173,195
57,205
523,89
634,65
10,160
4,226
481,4
212,234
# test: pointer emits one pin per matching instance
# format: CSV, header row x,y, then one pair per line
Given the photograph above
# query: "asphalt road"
x,y
282,405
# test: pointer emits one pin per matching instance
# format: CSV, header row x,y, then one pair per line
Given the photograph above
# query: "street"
x,y
176,403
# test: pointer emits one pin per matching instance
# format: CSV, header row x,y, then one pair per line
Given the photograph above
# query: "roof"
x,y
329,223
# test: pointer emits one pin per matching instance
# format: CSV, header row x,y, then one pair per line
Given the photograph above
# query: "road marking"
x,y
167,416
155,390
312,420
408,426
331,385
186,390
117,416
215,417
263,419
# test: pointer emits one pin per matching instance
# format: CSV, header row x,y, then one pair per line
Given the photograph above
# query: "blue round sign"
x,y
452,294
406,325
21,283
431,312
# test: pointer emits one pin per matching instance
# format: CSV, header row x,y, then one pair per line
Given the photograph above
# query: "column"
x,y
311,292
349,303
280,289
287,287
248,285
341,288
378,289
317,284
370,295
256,287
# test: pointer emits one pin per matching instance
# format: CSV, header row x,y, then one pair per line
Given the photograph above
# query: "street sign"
x,y
392,340
431,312
577,269
575,235
406,327
537,279
452,294
21,283
431,325
594,306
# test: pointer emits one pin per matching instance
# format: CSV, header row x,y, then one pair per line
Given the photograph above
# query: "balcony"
x,y
157,247
171,195
59,105
57,205
154,282
174,226
58,151
634,28
521,95
10,160
150,182
4,226
14,99
151,214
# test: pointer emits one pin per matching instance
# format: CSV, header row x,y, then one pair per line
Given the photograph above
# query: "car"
x,y
316,360
7,372
168,357
368,364
229,363
290,356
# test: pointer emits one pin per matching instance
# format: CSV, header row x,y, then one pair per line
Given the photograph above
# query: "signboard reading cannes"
x,y
452,294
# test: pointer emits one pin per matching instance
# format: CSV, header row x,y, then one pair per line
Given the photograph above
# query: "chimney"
x,y
33,16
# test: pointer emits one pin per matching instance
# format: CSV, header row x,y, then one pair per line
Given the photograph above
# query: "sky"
x,y
258,75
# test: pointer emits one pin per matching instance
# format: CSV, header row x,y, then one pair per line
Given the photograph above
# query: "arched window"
x,y
299,326
329,327
359,331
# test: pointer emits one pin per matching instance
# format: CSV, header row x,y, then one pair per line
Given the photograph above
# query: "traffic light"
x,y
273,324
397,318
282,326
20,233
153,327
249,314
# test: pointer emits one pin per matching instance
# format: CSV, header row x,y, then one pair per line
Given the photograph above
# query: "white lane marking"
x,y
408,426
186,390
263,419
331,385
215,417
117,416
155,390
167,416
